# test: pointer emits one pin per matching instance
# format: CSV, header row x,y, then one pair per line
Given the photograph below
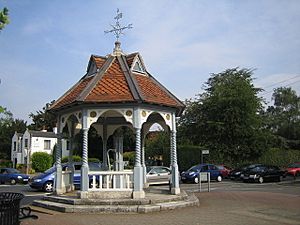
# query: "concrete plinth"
x,y
138,194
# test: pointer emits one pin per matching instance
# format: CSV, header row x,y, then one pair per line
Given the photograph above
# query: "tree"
x,y
4,20
8,126
43,120
225,118
284,116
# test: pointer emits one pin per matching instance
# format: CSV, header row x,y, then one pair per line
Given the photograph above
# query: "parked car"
x,y
12,176
192,174
158,175
236,173
293,169
225,170
45,181
263,173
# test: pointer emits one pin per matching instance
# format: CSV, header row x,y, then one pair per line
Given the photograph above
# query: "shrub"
x,y
76,158
41,161
280,157
94,160
130,157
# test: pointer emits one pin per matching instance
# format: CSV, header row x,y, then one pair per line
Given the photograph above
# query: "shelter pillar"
x,y
71,163
138,191
84,184
58,175
119,163
174,166
104,154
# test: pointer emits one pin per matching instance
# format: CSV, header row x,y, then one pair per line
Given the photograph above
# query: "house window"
x,y
15,146
26,143
47,144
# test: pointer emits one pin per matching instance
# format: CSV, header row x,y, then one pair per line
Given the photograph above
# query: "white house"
x,y
34,141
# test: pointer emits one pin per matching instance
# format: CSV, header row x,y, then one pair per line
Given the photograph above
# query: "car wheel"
x,y
196,180
48,186
279,179
219,178
297,174
260,180
12,181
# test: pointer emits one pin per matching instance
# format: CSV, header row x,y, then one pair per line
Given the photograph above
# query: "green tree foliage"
x,y
8,126
43,120
41,161
283,118
4,20
225,118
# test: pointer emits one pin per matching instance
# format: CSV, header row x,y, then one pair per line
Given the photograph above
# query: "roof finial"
x,y
118,30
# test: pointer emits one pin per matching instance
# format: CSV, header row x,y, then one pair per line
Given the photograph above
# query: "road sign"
x,y
205,152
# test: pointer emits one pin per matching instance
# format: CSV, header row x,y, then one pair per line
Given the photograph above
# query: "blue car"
x,y
45,181
192,174
12,176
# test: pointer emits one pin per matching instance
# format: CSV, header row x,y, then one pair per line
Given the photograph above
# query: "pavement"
x,y
215,208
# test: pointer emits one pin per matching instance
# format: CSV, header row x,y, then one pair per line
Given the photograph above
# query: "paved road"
x,y
228,203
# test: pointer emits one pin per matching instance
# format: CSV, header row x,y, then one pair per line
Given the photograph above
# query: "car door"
x,y
214,171
152,176
2,176
163,174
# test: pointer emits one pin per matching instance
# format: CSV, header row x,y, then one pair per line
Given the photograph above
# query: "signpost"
x,y
204,152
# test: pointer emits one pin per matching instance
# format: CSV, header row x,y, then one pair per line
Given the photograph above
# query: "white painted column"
x,y
174,166
138,191
84,179
58,175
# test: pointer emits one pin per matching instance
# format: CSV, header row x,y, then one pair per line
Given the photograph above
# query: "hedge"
x,y
41,161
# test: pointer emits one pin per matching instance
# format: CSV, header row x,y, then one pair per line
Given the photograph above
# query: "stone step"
x,y
152,198
190,200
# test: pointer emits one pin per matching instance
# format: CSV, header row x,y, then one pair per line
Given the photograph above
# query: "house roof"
x,y
42,134
112,79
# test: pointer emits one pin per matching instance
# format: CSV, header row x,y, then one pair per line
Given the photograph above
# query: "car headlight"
x,y
37,180
253,176
19,177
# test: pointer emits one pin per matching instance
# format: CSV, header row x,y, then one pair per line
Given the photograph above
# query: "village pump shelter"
x,y
116,91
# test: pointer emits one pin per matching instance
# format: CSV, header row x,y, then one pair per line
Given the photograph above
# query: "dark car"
x,y
12,176
158,175
237,173
263,173
45,181
192,174
293,169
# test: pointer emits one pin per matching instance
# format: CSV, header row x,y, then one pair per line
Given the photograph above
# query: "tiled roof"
x,y
153,92
114,82
112,87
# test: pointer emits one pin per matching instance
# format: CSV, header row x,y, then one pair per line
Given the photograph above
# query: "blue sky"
x,y
46,47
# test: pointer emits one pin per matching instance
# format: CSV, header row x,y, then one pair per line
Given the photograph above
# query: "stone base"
x,y
104,194
175,191
138,194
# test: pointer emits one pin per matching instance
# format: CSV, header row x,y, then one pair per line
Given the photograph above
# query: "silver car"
x,y
158,175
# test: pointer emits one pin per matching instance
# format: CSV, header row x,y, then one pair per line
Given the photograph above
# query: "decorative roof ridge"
x,y
96,78
133,86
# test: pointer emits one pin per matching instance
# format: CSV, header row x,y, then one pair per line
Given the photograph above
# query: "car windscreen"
x,y
50,170
194,169
259,169
12,170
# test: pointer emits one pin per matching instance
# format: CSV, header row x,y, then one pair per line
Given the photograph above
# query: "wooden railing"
x,y
111,180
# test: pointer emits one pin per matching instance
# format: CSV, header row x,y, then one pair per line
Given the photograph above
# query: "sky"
x,y
47,45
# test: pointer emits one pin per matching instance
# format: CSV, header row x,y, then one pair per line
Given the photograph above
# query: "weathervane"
x,y
117,29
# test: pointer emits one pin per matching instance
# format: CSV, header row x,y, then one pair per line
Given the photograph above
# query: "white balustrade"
x,y
111,180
